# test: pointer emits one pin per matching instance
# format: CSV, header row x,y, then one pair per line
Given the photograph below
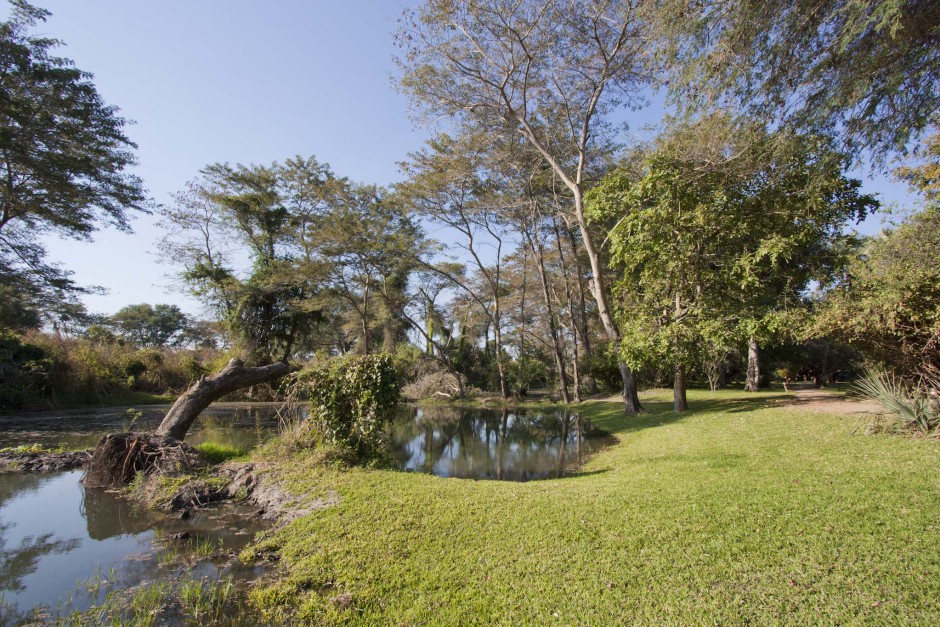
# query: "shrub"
x,y
351,400
440,384
913,406
25,370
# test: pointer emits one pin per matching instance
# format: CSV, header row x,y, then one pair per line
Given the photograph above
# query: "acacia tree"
x,y
446,184
269,212
371,246
550,70
154,326
64,158
867,71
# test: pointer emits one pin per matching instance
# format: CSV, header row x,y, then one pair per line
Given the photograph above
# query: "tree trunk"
x,y
575,358
538,251
631,400
209,389
753,366
679,401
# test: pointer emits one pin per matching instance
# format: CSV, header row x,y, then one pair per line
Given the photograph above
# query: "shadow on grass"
x,y
611,418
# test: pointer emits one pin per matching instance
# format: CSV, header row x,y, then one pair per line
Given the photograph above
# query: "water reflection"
x,y
235,424
54,534
488,444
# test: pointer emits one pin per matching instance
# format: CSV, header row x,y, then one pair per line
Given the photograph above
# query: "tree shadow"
x,y
658,413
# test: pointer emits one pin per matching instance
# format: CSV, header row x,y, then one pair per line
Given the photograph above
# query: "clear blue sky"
x,y
239,81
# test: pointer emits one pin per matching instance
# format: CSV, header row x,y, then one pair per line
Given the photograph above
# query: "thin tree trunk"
x,y
631,399
572,323
582,302
753,366
552,327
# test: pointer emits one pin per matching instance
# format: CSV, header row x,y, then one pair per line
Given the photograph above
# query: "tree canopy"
x,y
65,160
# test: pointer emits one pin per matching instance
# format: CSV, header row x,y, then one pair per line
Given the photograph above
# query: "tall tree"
x,y
372,246
866,70
446,184
550,70
64,160
726,228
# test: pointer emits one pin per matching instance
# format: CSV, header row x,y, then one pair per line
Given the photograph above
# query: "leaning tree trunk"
x,y
201,394
753,366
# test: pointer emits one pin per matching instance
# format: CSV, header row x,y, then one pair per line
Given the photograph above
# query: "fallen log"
x,y
206,390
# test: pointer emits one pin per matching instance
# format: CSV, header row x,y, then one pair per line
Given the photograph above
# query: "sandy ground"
x,y
813,399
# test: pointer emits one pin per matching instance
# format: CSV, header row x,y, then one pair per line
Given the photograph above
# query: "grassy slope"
x,y
735,512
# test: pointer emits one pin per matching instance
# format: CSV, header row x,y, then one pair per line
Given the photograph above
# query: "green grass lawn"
x,y
739,511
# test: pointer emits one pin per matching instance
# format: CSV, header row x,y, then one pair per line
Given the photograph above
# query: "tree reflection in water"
x,y
491,444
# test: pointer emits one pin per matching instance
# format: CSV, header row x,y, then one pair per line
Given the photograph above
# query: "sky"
x,y
244,82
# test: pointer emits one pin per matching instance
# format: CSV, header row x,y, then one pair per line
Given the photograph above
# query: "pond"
x,y
56,537
492,444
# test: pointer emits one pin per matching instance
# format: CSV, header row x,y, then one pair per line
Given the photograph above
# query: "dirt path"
x,y
814,399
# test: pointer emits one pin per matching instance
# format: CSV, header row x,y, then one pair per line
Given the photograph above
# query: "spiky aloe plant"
x,y
910,403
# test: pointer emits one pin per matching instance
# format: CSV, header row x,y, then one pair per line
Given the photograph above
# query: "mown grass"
x,y
740,511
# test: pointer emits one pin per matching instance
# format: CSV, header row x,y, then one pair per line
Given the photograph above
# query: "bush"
x,y
25,372
40,370
351,400
914,407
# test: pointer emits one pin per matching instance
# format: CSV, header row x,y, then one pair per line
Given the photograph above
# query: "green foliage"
x,y
351,400
39,370
914,407
867,70
216,453
888,302
152,326
525,372
65,159
715,249
25,372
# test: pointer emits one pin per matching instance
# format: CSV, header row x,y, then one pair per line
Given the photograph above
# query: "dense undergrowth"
x,y
39,371
743,510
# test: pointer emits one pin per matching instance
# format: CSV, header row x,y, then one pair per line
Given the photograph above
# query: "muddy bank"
x,y
248,484
42,461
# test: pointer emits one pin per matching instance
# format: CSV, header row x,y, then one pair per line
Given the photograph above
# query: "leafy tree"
x,y
64,157
887,304
153,326
372,247
867,70
446,184
272,213
707,243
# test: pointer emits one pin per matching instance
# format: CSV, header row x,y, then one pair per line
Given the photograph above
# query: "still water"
x,y
492,444
55,536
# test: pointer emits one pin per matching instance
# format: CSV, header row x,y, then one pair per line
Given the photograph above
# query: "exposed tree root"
x,y
118,457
